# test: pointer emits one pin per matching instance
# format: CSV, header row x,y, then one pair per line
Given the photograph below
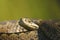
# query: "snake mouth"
x,y
28,24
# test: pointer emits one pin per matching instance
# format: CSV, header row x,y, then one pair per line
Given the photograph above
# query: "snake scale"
x,y
30,29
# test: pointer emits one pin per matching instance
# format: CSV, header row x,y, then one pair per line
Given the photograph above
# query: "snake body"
x,y
30,29
17,29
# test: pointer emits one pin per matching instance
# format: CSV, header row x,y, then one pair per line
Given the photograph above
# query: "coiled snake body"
x,y
18,29
30,29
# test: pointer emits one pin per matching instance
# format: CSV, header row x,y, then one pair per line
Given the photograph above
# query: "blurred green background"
x,y
15,9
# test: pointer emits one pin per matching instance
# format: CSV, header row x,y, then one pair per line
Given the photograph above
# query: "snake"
x,y
18,29
30,29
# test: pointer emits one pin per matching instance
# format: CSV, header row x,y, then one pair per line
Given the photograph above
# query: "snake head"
x,y
28,24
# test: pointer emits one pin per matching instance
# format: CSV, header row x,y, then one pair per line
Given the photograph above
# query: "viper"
x,y
30,29
15,29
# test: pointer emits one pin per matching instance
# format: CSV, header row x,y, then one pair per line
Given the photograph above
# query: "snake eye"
x,y
28,24
29,21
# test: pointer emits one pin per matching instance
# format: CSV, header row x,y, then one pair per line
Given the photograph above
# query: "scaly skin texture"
x,y
32,35
11,27
48,30
12,30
